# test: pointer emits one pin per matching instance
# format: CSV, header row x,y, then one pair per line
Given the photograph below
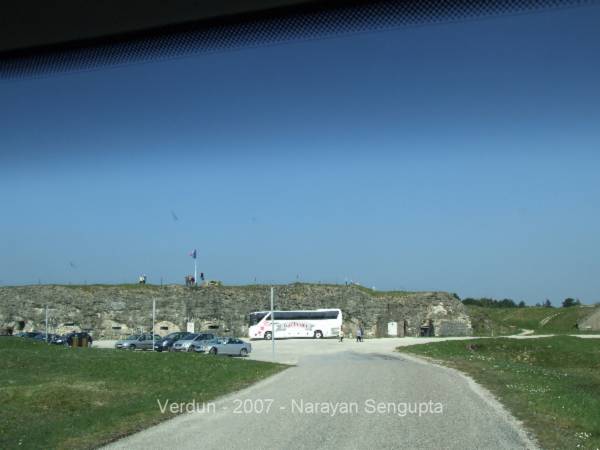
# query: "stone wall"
x,y
114,311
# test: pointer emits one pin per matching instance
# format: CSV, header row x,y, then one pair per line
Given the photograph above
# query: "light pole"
x,y
153,320
272,327
46,323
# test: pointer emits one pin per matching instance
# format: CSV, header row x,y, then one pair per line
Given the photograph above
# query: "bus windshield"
x,y
256,317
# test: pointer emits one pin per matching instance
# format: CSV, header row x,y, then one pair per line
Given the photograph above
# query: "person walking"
x,y
362,333
358,334
341,335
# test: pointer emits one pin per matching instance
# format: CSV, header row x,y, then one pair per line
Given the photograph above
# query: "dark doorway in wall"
x,y
427,328
405,329
20,325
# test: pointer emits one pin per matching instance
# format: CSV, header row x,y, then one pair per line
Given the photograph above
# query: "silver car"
x,y
225,346
191,341
137,342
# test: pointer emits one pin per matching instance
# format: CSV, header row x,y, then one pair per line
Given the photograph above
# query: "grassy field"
x,y
56,397
503,321
551,384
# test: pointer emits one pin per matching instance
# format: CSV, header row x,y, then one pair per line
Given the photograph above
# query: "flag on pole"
x,y
193,255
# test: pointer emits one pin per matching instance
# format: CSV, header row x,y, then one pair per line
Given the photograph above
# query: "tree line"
x,y
493,303
510,303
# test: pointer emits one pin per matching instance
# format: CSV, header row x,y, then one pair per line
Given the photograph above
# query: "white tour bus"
x,y
317,323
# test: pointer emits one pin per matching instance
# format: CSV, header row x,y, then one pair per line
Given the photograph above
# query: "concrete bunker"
x,y
112,312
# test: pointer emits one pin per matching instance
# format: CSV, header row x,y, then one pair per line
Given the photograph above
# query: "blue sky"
x,y
460,157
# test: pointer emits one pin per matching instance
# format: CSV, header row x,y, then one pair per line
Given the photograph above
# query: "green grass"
x,y
91,287
250,287
56,397
503,321
551,384
384,293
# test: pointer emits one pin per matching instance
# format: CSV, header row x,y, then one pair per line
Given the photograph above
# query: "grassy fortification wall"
x,y
111,311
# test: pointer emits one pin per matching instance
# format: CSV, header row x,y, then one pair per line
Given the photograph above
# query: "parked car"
x,y
30,334
166,343
60,340
69,338
52,338
191,341
137,342
49,338
225,346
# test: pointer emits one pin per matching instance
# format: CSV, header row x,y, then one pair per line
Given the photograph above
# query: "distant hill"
x,y
504,321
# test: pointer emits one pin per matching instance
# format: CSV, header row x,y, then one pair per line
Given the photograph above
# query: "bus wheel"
x,y
268,336
318,334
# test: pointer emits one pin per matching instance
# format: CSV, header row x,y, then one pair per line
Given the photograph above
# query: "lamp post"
x,y
272,327
153,320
